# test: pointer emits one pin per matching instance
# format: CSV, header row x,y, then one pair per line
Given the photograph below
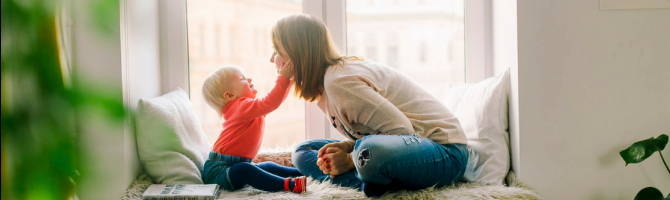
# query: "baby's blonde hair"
x,y
216,84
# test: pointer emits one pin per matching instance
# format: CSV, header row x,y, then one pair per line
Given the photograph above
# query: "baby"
x,y
233,96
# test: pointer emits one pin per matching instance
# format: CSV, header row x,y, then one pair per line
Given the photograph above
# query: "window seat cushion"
x,y
515,189
482,110
171,144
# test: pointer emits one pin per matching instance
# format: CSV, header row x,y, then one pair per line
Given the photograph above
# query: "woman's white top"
x,y
368,98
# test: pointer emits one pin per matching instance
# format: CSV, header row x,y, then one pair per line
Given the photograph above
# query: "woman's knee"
x,y
315,144
371,148
370,156
304,145
306,150
301,157
300,150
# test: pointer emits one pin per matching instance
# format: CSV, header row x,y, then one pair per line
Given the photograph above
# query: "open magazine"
x,y
181,192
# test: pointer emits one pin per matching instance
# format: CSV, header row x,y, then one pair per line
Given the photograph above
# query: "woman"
x,y
399,135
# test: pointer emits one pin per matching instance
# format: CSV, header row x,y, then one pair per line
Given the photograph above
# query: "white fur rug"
x,y
315,190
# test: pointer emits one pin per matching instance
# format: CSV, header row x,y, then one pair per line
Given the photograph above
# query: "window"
x,y
238,32
392,56
371,52
423,39
394,33
392,49
201,43
422,52
217,41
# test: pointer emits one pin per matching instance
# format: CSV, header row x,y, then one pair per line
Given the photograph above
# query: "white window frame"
x,y
478,49
478,40
173,34
174,48
333,13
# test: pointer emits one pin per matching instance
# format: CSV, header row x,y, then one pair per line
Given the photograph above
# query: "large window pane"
x,y
422,38
237,32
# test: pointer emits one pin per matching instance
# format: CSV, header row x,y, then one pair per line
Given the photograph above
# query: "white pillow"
x,y
481,109
170,141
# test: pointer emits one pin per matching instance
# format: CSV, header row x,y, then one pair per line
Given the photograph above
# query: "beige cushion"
x,y
170,141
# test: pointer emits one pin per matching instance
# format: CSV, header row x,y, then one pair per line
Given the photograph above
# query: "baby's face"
x,y
241,86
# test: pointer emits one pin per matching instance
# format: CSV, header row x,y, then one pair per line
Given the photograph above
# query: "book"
x,y
181,192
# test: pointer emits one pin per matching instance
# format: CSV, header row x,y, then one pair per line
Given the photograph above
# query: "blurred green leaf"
x,y
41,156
641,150
105,13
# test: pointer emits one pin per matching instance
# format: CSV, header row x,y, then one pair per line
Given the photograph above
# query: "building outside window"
x,y
423,39
244,26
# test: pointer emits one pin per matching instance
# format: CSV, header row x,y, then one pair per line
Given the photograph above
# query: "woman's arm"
x,y
357,100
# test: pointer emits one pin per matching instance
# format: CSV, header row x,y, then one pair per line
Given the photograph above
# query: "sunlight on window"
x,y
422,38
222,32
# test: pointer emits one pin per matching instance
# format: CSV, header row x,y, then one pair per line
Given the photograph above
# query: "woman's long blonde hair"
x,y
311,49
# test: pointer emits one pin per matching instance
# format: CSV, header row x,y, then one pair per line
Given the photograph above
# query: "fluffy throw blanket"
x,y
515,189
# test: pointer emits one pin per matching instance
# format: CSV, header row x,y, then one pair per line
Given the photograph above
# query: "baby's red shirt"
x,y
245,120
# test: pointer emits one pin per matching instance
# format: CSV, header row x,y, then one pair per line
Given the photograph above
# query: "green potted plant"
x,y
41,147
638,152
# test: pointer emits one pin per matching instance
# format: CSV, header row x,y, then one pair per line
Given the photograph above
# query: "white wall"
x,y
590,83
505,56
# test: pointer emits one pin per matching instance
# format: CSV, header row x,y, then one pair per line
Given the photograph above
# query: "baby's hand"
x,y
287,70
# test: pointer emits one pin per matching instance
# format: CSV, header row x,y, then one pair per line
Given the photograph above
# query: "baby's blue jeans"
x,y
408,161
233,173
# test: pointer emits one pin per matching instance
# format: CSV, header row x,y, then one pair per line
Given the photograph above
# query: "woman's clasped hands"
x,y
335,158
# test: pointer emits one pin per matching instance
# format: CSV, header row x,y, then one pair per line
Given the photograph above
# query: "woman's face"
x,y
279,58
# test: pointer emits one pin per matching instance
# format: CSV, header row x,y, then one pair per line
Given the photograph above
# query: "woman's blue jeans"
x,y
409,161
